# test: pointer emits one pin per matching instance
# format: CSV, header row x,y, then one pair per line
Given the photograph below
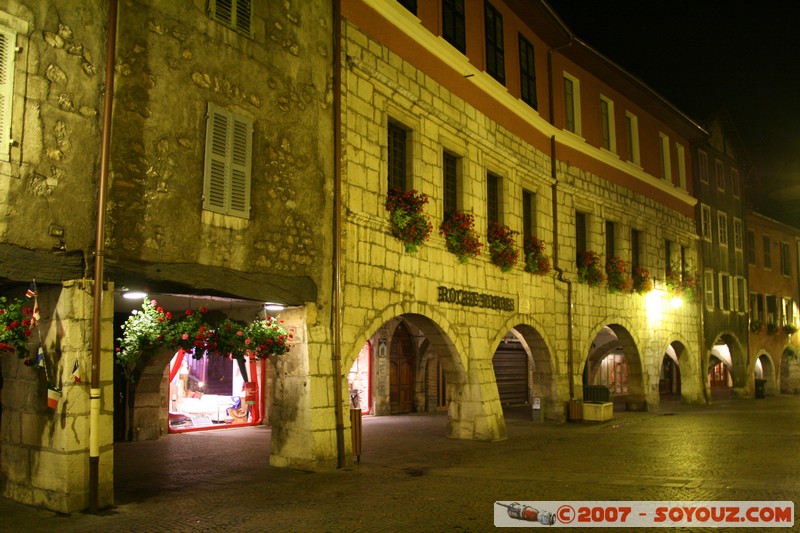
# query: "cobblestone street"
x,y
412,478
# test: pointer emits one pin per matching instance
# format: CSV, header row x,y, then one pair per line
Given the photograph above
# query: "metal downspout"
x,y
100,238
559,270
554,192
337,233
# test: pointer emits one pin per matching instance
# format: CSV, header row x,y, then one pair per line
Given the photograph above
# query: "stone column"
x,y
45,452
303,418
475,413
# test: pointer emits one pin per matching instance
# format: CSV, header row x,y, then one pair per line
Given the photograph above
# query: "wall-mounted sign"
x,y
474,299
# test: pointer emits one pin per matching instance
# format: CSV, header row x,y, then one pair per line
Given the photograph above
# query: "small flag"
x,y
31,292
35,315
76,372
40,358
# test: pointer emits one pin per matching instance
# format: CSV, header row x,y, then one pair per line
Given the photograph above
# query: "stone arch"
x,y
148,412
542,368
735,359
764,369
600,344
790,371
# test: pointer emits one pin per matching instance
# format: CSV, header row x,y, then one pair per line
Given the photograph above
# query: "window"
x,y
493,197
411,5
705,222
608,126
397,157
708,289
681,165
450,174
528,214
787,311
636,250
666,166
767,251
702,163
724,291
572,104
527,73
786,259
720,171
722,227
495,61
772,309
8,40
235,14
756,307
737,234
229,139
580,234
611,245
741,295
667,257
751,247
633,138
454,29
735,186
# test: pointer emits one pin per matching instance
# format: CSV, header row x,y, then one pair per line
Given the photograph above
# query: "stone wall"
x,y
44,453
173,59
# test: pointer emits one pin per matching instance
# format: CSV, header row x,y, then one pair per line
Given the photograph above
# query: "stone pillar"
x,y
303,418
45,452
476,413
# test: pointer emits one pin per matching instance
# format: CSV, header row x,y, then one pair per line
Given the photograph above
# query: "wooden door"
x,y
401,372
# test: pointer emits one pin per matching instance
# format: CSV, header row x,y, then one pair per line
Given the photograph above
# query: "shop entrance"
x,y
511,371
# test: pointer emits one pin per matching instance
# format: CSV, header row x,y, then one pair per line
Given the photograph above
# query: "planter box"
x,y
598,412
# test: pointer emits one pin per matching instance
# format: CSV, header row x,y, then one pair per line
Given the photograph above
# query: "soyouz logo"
x,y
637,514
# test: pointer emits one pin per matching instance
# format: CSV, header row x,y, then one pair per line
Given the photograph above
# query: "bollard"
x,y
355,432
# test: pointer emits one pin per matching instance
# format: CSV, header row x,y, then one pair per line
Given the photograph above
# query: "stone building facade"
x,y
722,170
400,73
219,186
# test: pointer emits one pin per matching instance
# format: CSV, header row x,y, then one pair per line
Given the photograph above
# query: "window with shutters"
x,y
495,51
705,222
527,73
708,289
7,53
229,139
235,14
454,29
572,104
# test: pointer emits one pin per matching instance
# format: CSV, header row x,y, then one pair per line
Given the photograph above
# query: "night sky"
x,y
704,55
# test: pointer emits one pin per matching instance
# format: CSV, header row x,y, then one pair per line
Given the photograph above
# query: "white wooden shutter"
x,y
226,187
236,14
7,54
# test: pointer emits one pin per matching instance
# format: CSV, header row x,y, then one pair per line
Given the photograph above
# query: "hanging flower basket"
x,y
409,224
618,279
589,270
502,249
15,327
681,284
642,283
536,261
152,328
458,231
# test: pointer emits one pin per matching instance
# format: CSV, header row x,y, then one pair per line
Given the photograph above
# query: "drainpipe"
x,y
337,232
100,238
554,193
559,270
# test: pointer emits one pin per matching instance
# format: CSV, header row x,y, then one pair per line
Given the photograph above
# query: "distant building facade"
x,y
772,264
